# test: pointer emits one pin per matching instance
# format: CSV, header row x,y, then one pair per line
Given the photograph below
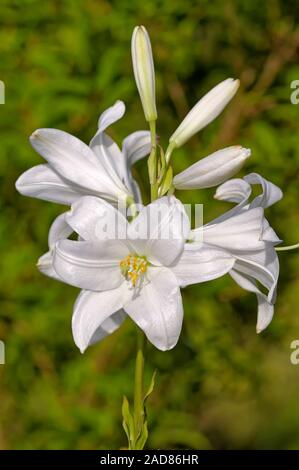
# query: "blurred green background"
x,y
222,387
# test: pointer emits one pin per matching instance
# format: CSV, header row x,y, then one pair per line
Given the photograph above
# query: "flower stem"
x,y
138,389
168,152
139,398
287,248
152,162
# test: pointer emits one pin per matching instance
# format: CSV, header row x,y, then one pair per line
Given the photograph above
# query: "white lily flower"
x,y
256,261
144,72
141,276
75,169
205,111
135,276
213,169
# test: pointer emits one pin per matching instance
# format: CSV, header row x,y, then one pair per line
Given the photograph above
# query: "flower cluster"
x,y
141,273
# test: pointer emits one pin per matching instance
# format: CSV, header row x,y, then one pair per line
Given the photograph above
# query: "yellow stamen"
x,y
133,268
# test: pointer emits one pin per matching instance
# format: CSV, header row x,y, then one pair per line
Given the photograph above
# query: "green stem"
x,y
168,152
287,248
163,174
152,162
138,389
138,415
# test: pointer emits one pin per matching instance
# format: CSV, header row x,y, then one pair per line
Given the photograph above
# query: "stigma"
x,y
133,267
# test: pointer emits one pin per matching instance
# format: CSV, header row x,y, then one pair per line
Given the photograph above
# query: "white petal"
x,y
111,115
108,326
268,233
262,266
96,315
238,190
241,232
265,308
160,230
235,190
91,265
45,266
111,160
265,313
270,195
59,230
95,219
44,183
74,161
136,192
158,309
212,170
200,263
136,146
205,111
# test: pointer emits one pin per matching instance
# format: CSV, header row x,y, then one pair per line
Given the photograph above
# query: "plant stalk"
x,y
138,388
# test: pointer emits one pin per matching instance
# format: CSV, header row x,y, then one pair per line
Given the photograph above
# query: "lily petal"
x,y
265,308
270,195
96,315
201,263
95,219
241,232
165,227
111,115
268,234
59,230
234,190
158,309
111,159
262,266
74,161
91,265
45,266
239,190
136,146
44,183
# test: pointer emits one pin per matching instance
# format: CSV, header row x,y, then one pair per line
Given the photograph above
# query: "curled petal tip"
x,y
34,135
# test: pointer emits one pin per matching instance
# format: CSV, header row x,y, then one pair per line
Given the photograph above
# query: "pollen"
x,y
133,268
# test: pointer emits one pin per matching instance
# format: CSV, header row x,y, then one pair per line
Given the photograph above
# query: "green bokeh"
x,y
63,63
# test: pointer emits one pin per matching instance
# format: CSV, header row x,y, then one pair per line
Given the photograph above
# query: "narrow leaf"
x,y
167,182
128,422
142,438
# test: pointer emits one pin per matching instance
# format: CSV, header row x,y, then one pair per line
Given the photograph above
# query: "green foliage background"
x,y
64,62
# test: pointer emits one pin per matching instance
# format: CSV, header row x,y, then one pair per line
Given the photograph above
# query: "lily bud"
x,y
205,111
144,72
212,170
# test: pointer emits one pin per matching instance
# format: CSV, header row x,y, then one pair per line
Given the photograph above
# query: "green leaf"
x,y
150,388
128,422
167,182
142,438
